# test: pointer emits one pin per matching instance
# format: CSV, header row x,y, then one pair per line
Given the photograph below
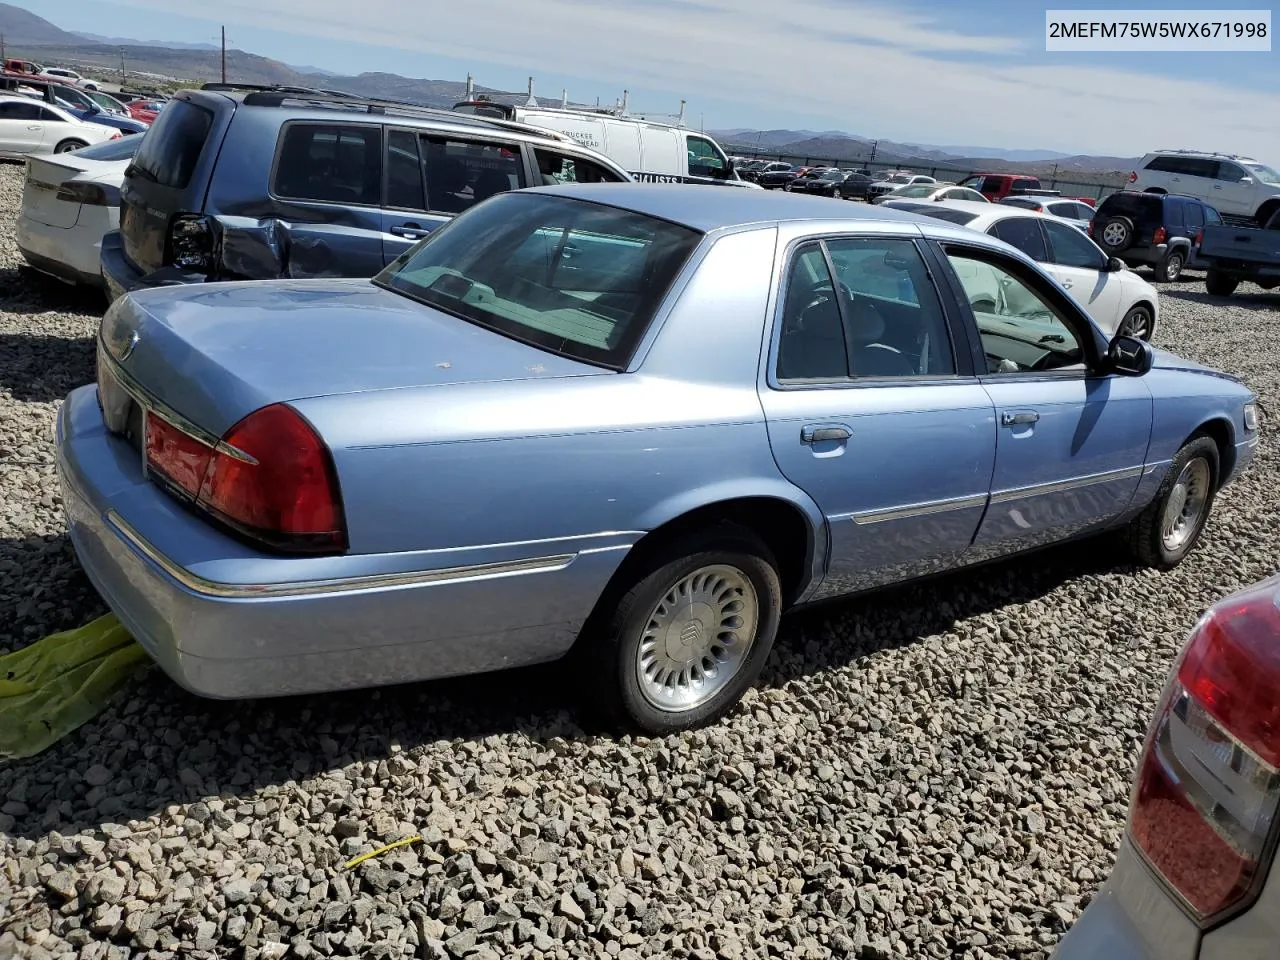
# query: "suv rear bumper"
x,y
121,277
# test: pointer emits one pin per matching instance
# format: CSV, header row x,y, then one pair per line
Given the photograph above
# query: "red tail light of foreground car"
x,y
271,479
1205,802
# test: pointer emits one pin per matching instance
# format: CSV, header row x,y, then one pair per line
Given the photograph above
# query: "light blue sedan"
x,y
624,421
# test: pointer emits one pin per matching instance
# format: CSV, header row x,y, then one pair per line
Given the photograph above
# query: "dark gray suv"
x,y
233,183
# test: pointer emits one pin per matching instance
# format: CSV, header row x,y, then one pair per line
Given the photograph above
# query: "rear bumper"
x,y
71,254
1132,918
225,621
121,277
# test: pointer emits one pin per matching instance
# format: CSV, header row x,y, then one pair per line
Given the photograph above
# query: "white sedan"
x,y
933,192
69,203
1116,297
70,76
29,127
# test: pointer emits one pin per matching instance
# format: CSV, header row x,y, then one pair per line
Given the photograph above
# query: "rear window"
x,y
172,146
332,163
108,150
1129,205
574,278
938,213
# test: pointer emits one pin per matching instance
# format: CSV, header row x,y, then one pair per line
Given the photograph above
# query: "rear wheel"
x,y
688,637
1166,531
1170,266
66,146
1218,284
1265,213
1136,323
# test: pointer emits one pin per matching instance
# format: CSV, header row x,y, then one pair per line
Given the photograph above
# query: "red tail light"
x,y
1160,235
271,479
1133,176
1199,237
1090,231
1208,790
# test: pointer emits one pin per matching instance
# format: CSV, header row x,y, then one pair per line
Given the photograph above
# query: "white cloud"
x,y
869,67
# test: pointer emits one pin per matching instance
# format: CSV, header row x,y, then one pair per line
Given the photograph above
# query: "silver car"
x,y
1191,879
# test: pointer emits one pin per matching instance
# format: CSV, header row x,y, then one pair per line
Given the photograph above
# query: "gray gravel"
x,y
938,771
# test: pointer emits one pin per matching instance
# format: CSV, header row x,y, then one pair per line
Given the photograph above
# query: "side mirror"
x,y
1114,264
1246,179
1129,356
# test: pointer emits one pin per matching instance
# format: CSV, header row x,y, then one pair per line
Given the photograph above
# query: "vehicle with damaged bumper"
x,y
619,421
257,184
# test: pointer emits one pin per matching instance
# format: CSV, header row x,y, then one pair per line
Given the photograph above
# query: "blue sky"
x,y
923,71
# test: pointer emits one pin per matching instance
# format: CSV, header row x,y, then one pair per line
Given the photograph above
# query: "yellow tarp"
x,y
53,686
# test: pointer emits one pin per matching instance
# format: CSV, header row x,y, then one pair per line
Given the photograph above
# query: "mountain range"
x,y
23,33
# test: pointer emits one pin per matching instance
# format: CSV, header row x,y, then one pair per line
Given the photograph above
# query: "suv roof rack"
x,y
1207,153
264,96
271,88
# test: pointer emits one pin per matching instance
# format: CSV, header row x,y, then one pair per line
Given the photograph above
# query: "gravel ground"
x,y
937,771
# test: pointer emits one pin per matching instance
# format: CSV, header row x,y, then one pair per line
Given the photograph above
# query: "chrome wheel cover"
x,y
1113,234
1137,323
697,638
1185,508
1173,266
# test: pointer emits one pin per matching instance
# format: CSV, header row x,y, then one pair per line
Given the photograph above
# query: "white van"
x,y
651,152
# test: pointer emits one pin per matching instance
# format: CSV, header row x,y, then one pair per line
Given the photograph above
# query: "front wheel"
x,y
1219,284
1137,323
689,636
1165,532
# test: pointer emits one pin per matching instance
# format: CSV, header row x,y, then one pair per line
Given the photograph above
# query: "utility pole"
x,y
123,75
874,145
2,56
224,54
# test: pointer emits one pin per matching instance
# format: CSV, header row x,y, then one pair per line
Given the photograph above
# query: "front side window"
x,y
331,163
462,173
1021,331
1230,172
1071,248
574,278
405,188
1023,233
705,159
1211,216
565,168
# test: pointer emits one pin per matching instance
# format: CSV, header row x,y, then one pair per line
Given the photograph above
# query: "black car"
x,y
776,179
854,186
1161,231
823,183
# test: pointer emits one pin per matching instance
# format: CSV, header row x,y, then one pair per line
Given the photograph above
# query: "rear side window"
x,y
171,148
557,168
460,173
1023,233
1194,215
332,163
13,110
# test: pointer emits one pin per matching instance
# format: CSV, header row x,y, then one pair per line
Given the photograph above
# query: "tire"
x,y
91,86
1117,234
1265,213
66,146
1150,540
1137,323
839,194
622,640
1170,266
1218,284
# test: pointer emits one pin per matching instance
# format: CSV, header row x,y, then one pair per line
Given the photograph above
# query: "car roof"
x,y
706,208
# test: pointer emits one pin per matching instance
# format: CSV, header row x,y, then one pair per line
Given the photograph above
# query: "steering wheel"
x,y
826,285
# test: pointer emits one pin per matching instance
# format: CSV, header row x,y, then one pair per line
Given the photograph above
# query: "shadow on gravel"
x,y
24,291
41,369
1246,301
158,745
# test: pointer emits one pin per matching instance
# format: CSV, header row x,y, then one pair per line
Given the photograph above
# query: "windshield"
x,y
940,212
899,178
915,190
833,175
1263,173
575,278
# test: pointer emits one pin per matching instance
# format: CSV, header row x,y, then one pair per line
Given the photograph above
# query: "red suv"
x,y
997,186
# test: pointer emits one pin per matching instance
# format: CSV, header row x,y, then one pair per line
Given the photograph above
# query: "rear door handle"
x,y
815,434
410,233
1013,419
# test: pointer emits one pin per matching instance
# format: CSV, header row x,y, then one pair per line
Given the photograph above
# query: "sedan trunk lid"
x,y
216,353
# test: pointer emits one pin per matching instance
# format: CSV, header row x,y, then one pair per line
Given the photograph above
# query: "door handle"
x,y
1068,283
410,232
35,126
813,434
1013,419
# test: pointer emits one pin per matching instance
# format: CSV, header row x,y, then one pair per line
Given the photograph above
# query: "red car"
x,y
144,111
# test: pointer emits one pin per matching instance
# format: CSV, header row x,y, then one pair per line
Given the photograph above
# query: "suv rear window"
x,y
1130,204
333,163
574,278
170,150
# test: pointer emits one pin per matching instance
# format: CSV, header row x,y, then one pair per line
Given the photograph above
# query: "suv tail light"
x,y
1160,235
1133,176
1208,785
270,478
1199,237
191,242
